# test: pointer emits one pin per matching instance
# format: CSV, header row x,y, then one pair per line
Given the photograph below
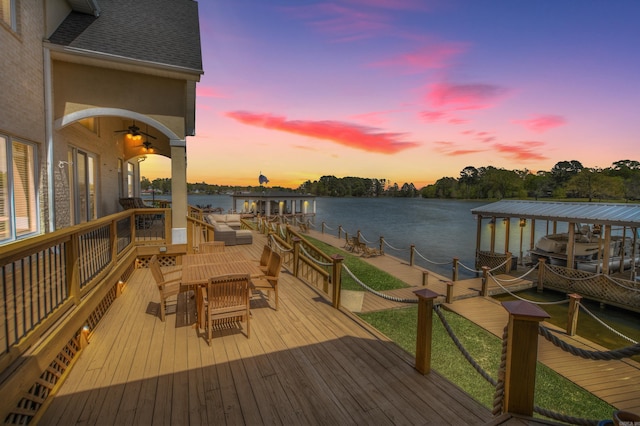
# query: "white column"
x,y
178,191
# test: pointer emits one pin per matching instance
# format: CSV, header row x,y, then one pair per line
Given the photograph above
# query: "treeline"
x,y
163,186
331,186
567,179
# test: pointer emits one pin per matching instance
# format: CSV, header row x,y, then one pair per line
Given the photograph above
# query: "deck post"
x,y
335,279
339,231
509,262
449,292
412,254
425,327
521,357
425,277
381,244
296,254
323,225
541,263
454,269
485,281
572,314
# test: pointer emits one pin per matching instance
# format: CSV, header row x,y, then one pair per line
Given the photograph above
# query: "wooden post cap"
x,y
521,308
425,293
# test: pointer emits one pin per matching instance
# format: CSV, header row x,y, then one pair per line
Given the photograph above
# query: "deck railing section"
x,y
600,287
43,276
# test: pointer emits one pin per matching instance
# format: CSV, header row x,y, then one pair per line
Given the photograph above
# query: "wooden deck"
x,y
616,382
304,364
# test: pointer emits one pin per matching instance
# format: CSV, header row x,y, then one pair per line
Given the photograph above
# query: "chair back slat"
x,y
155,269
275,264
266,255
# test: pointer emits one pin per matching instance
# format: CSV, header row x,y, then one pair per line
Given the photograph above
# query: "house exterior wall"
x,y
78,87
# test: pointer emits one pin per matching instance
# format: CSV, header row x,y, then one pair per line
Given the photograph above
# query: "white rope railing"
x,y
364,239
282,249
505,280
431,261
468,268
607,326
377,293
614,281
392,247
497,281
317,262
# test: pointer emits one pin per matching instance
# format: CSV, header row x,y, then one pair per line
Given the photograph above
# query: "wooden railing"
x,y
55,284
602,288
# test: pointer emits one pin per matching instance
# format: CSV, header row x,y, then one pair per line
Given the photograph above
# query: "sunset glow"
x,y
410,90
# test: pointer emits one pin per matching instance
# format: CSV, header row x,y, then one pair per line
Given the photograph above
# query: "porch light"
x,y
523,222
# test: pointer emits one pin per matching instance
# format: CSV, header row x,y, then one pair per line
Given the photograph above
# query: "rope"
x,y
564,418
430,261
617,354
278,246
365,240
317,262
464,352
377,293
497,281
521,276
606,325
500,265
329,228
392,247
468,268
498,396
614,281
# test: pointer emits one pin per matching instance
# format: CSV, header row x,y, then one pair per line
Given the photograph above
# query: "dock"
x,y
616,382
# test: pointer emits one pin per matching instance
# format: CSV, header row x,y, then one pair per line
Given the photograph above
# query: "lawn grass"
x,y
552,391
369,275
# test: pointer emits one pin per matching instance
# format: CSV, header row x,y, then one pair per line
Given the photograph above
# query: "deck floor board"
x,y
306,363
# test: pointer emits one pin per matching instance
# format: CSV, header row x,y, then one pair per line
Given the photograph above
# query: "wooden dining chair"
x,y
270,281
226,297
264,258
211,247
168,286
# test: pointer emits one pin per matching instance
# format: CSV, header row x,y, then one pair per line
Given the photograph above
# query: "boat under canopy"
x,y
591,228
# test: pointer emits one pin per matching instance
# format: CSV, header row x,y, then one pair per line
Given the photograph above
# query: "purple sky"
x,y
411,91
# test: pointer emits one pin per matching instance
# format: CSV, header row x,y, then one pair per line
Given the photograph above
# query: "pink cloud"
x,y
342,23
542,123
393,4
464,96
525,150
351,135
209,92
374,118
433,56
435,116
450,149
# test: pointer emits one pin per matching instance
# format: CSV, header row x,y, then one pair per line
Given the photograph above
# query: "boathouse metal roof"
x,y
601,213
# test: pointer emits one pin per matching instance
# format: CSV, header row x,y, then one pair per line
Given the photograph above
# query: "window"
x,y
130,180
18,189
8,13
83,181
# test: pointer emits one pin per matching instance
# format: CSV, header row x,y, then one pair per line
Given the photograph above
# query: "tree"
x,y
565,170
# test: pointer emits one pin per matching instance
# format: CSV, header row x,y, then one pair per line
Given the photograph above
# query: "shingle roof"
x,y
159,31
602,213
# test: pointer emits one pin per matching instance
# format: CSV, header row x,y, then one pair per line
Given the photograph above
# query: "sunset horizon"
x,y
410,91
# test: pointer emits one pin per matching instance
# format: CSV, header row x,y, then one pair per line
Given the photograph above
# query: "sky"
x,y
411,90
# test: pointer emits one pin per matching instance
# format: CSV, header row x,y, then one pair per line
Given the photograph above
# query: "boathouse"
x,y
275,203
586,248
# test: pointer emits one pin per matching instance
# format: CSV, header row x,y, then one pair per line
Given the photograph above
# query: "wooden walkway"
x,y
616,382
304,364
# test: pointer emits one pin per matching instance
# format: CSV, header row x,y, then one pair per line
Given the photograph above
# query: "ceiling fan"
x,y
146,145
134,132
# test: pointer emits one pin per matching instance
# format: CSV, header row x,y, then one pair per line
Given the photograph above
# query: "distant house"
x,y
88,89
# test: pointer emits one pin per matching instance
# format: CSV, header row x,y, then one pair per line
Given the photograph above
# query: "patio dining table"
x,y
198,268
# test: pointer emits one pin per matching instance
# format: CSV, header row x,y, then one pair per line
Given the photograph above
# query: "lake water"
x,y
439,229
